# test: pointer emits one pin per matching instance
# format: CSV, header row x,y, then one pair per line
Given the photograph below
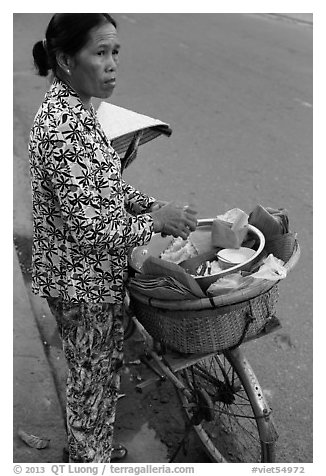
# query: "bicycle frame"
x,y
168,365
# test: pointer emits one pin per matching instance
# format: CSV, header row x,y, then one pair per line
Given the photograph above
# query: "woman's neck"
x,y
86,102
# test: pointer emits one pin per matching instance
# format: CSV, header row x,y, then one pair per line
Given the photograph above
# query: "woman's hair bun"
x,y
41,58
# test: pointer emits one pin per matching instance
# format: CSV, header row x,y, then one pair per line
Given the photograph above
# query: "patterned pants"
x,y
92,338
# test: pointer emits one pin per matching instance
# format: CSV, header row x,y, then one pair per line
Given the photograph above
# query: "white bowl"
x,y
232,257
205,281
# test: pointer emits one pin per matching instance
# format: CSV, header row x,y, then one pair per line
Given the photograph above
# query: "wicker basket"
x,y
207,330
210,324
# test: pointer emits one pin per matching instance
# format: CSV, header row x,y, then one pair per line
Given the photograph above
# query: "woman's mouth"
x,y
111,81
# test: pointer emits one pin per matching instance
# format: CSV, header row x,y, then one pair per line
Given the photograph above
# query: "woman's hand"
x,y
176,220
157,205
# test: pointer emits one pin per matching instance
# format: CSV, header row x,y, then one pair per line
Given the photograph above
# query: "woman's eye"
x,y
101,53
115,52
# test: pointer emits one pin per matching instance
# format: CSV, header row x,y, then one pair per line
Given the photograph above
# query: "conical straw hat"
x,y
120,124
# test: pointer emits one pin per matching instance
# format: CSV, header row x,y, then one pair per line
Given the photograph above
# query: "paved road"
x,y
237,91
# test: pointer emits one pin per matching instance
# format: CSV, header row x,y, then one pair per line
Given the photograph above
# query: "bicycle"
x,y
231,380
220,395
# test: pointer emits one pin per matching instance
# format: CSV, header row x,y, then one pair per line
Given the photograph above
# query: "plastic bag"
x,y
272,269
228,283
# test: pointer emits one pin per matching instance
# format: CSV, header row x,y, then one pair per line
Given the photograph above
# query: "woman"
x,y
86,218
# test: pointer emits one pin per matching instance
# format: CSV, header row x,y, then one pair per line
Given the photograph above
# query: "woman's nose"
x,y
111,64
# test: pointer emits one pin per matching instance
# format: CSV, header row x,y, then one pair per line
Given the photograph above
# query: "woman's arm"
x,y
136,202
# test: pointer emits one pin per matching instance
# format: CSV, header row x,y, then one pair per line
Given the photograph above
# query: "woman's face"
x,y
93,69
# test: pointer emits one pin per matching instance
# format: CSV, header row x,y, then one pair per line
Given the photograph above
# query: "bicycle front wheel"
x,y
226,406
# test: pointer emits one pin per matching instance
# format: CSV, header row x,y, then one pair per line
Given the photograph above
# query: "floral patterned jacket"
x,y
85,217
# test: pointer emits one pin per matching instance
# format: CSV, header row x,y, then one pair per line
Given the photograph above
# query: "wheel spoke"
x,y
231,426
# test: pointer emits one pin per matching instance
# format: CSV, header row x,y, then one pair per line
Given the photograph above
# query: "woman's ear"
x,y
64,62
